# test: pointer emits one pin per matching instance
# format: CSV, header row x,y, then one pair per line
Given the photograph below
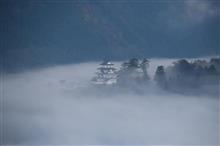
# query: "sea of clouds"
x,y
59,105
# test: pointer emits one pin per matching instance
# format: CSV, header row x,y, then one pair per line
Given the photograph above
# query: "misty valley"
x,y
155,101
109,72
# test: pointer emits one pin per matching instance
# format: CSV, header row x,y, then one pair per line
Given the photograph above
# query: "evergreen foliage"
x,y
160,77
182,74
133,72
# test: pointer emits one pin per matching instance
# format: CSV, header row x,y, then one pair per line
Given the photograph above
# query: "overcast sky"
x,y
46,32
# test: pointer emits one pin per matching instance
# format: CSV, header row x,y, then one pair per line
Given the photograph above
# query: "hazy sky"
x,y
45,32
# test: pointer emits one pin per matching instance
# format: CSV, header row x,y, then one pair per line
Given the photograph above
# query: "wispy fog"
x,y
59,105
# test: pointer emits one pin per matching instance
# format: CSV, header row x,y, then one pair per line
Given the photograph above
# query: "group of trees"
x,y
187,74
131,72
181,74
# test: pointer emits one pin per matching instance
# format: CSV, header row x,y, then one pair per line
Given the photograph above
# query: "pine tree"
x,y
160,77
144,65
106,74
130,72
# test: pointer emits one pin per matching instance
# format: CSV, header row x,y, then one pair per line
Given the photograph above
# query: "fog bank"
x,y
58,105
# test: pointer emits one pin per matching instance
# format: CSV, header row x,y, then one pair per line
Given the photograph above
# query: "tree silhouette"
x,y
160,77
144,65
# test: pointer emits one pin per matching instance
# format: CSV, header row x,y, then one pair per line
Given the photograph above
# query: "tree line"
x,y
182,73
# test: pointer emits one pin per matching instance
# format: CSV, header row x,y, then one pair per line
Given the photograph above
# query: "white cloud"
x,y
198,10
192,12
56,105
